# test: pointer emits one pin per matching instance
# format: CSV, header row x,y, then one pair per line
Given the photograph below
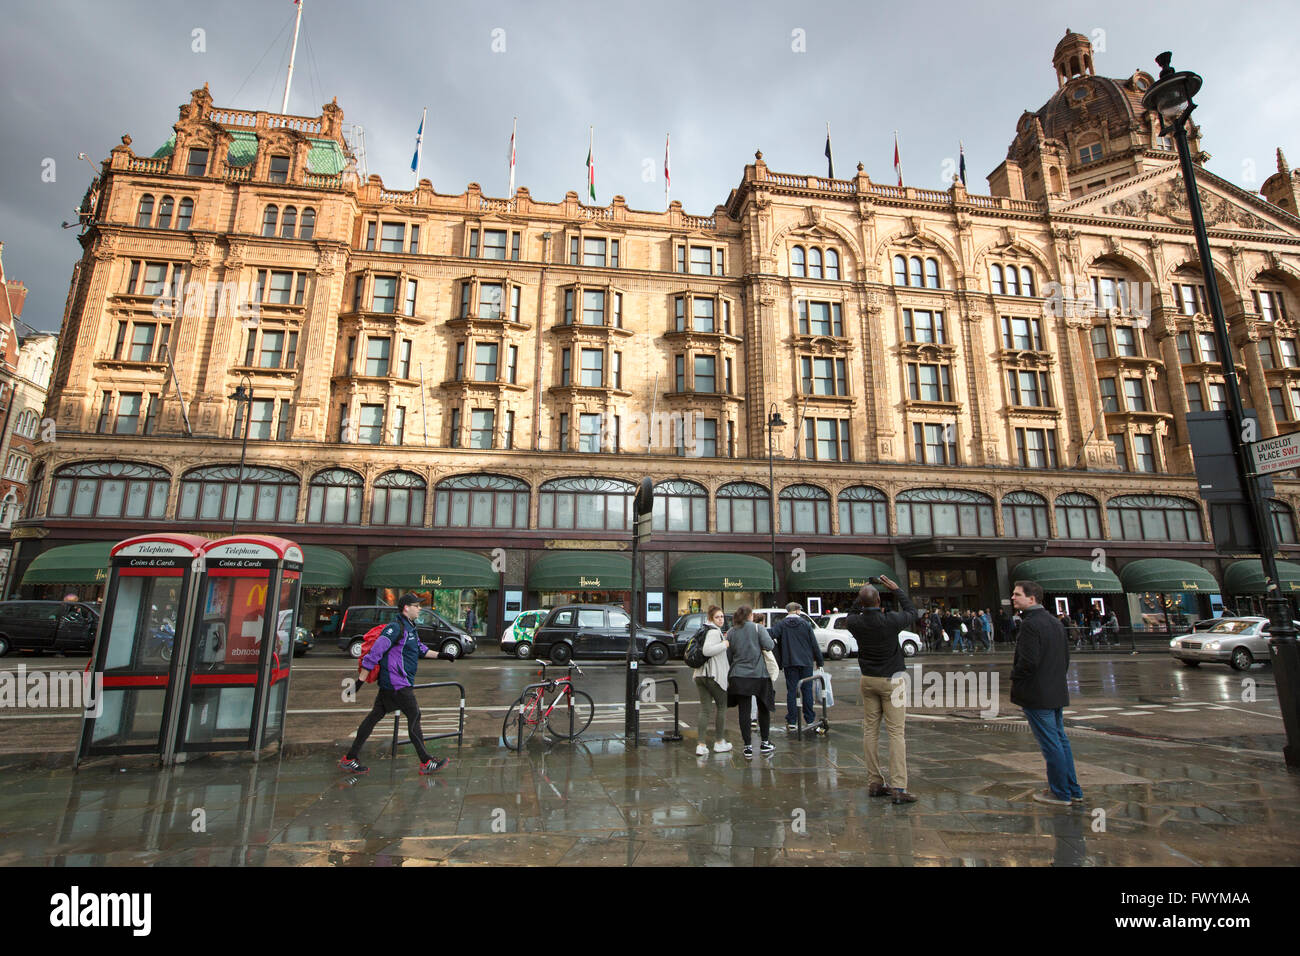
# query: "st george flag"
x,y
668,176
512,157
830,163
961,150
591,163
898,165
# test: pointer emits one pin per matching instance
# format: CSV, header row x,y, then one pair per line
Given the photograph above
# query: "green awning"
x,y
1166,576
581,571
325,568
1067,576
1247,577
720,572
425,568
71,564
837,572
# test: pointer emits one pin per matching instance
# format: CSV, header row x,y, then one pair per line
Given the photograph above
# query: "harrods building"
x,y
456,394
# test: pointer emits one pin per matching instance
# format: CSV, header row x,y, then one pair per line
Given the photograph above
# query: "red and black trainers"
x,y
434,764
352,765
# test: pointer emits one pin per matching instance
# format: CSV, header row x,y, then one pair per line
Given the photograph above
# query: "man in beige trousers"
x,y
880,659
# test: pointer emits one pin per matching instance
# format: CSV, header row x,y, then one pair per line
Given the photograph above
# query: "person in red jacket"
x,y
1038,686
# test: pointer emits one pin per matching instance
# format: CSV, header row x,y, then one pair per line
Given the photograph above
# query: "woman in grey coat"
x,y
711,684
748,676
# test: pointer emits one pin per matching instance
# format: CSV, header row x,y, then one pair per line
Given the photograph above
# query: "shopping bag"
x,y
773,669
824,692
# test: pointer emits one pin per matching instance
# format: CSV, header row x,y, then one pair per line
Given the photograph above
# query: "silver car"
x,y
909,641
1239,641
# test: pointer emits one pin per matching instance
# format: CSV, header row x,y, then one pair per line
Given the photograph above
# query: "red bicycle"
x,y
548,703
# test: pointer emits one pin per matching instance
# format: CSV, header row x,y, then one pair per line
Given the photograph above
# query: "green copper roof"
x,y
325,157
243,148
167,148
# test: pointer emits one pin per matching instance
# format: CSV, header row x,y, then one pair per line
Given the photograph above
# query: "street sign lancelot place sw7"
x,y
1275,454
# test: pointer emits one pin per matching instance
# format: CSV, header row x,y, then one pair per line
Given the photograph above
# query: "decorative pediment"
x,y
1161,197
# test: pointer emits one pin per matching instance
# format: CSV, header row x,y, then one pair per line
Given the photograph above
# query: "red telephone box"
x,y
152,585
240,646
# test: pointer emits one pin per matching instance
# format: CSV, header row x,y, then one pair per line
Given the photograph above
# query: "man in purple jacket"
x,y
399,648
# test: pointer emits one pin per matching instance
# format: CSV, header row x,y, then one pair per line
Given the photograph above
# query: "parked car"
x,y
1237,641
435,631
302,641
47,626
683,629
834,644
518,639
909,641
588,631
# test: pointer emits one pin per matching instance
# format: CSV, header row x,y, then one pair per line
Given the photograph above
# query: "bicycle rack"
x,y
458,734
636,726
798,706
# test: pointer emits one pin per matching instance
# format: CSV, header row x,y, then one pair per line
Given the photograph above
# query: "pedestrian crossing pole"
x,y
642,523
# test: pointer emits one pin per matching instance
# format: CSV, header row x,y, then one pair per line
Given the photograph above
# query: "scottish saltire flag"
x,y
830,163
961,150
419,142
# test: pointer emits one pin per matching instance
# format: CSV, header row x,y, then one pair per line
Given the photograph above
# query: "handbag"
x,y
772,668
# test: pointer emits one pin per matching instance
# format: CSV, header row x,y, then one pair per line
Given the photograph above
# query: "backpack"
x,y
693,656
367,642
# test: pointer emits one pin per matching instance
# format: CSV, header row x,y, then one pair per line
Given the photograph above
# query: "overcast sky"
x,y
724,78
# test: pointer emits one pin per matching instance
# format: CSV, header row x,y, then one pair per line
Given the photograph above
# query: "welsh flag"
x,y
591,164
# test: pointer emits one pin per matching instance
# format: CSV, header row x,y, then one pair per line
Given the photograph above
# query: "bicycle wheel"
x,y
557,721
530,704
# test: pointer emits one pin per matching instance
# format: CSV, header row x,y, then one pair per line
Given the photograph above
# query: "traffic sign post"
x,y
642,523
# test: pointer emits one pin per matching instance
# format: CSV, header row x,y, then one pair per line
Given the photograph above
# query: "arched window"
x,y
184,213
398,499
681,506
1024,515
932,273
805,509
900,270
944,512
743,508
109,489
995,279
1153,518
1078,516
308,227
288,222
268,494
914,277
797,262
269,220
1013,281
1283,521
480,501
144,215
814,263
586,504
863,511
1026,280
832,264
334,497
165,213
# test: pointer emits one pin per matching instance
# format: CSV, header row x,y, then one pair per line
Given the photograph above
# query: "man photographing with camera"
x,y
880,659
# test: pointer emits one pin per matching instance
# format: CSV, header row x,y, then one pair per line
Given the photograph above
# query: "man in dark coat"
x,y
797,651
1038,686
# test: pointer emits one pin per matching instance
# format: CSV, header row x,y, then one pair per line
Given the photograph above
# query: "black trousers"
x,y
387,702
764,719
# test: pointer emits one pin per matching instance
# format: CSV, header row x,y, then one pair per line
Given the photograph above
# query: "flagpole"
x,y
419,147
510,193
284,105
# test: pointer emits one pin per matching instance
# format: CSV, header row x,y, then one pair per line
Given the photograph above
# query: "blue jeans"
x,y
793,675
1049,727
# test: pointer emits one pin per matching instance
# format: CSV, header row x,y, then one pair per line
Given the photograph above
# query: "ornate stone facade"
x,y
1046,339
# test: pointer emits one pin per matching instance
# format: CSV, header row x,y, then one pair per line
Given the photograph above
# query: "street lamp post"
x,y
1171,97
774,421
243,394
